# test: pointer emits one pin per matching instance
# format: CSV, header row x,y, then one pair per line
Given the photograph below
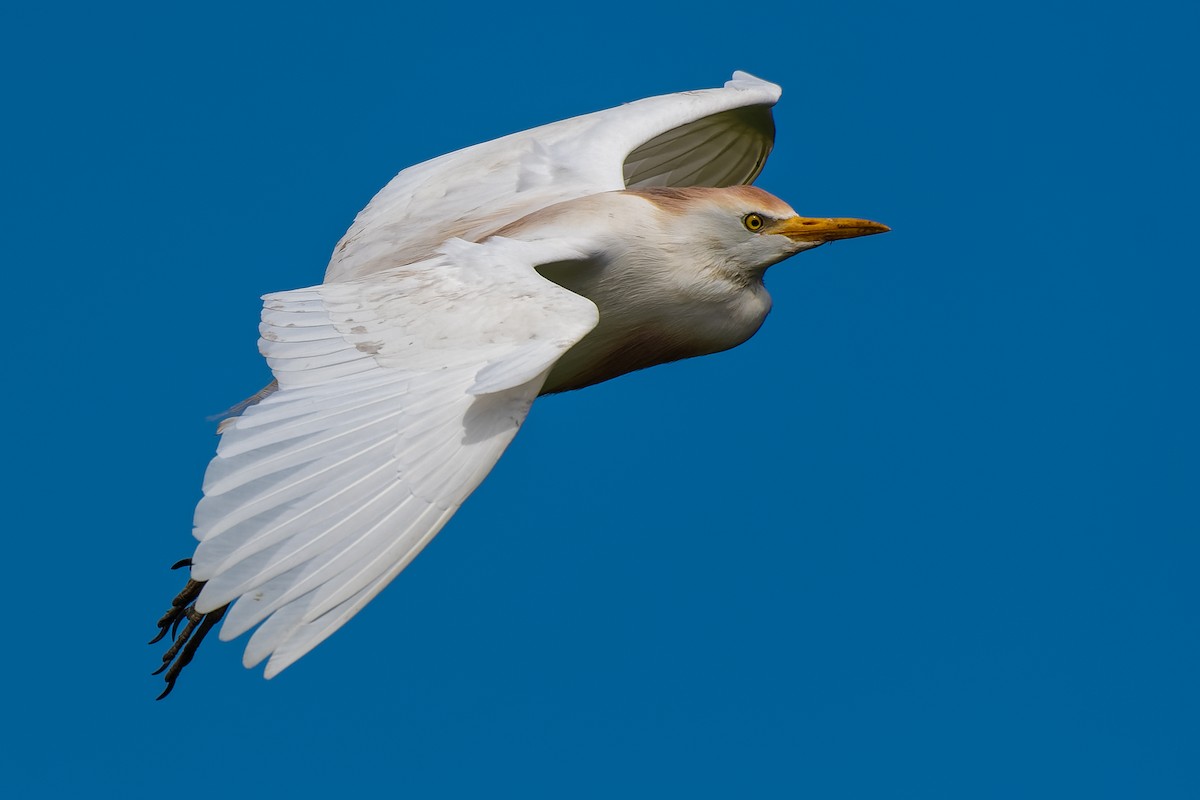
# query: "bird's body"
x,y
661,298
543,262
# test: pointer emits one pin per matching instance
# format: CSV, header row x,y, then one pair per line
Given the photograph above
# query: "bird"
x,y
541,262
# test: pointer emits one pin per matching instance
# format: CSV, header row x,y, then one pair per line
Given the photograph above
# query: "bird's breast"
x,y
646,332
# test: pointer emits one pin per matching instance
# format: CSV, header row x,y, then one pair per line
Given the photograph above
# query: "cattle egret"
x,y
540,262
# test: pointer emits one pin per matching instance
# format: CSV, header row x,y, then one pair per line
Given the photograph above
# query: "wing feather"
x,y
397,393
695,138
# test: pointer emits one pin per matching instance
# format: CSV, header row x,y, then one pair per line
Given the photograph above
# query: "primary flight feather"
x,y
541,262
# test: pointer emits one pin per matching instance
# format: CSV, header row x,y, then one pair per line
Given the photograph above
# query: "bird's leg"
x,y
183,649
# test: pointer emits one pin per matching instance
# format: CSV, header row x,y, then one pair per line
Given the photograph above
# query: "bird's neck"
x,y
656,305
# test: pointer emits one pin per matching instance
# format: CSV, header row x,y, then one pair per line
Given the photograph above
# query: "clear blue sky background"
x,y
932,533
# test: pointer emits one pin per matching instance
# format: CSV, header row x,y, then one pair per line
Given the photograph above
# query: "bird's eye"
x,y
754,222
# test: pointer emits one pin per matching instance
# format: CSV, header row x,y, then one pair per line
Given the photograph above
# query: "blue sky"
x,y
932,533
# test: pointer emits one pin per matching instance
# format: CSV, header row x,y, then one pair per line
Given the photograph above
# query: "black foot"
x,y
181,652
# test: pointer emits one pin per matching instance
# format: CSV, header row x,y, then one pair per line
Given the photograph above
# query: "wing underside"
x,y
726,149
397,396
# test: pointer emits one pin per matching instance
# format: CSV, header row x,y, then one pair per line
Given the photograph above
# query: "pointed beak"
x,y
815,229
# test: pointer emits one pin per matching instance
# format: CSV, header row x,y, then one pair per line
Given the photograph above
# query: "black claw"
x,y
186,641
183,562
175,626
166,691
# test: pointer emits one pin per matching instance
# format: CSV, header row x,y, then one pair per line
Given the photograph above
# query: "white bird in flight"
x,y
540,262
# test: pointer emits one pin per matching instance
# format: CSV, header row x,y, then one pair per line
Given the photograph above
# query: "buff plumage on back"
x,y
710,137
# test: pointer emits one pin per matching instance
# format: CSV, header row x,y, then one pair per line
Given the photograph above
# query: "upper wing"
x,y
396,396
711,137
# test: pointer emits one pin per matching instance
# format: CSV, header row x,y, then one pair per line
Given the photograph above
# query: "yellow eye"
x,y
754,222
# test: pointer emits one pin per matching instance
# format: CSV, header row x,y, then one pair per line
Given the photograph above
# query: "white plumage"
x,y
543,261
712,137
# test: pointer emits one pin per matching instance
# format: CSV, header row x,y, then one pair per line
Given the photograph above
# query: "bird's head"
x,y
748,228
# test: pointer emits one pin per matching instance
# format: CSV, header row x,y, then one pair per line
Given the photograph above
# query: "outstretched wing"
x,y
711,137
396,396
